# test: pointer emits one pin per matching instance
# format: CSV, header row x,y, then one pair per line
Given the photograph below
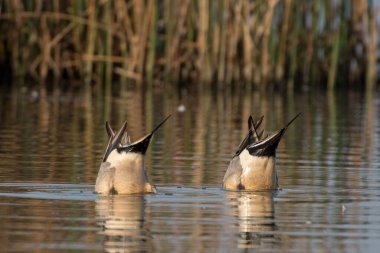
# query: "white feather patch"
x,y
118,160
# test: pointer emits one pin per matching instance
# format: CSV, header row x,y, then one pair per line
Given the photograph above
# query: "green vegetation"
x,y
264,45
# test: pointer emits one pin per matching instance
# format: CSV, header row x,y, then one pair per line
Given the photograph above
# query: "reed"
x,y
263,45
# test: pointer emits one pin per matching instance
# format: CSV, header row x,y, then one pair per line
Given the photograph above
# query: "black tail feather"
x,y
142,145
159,125
109,130
268,146
252,135
259,121
115,139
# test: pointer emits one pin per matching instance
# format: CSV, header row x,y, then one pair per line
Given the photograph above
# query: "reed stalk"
x,y
152,44
261,44
203,28
108,49
283,41
248,45
293,47
371,52
221,31
90,41
335,37
314,72
265,42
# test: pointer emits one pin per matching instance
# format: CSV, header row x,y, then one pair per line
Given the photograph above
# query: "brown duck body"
x,y
123,170
254,165
123,174
246,172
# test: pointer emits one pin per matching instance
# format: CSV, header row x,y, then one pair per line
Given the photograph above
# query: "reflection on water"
x,y
255,215
328,166
122,219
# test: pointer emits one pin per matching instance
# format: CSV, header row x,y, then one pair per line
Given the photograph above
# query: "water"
x,y
329,171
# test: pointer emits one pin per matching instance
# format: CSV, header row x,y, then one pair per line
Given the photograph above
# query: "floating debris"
x,y
181,108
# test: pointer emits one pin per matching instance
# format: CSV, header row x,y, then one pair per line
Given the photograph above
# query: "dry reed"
x,y
262,44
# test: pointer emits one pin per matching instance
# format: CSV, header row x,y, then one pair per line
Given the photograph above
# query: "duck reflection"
x,y
255,213
123,221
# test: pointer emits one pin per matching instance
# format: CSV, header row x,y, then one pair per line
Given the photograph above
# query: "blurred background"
x,y
270,45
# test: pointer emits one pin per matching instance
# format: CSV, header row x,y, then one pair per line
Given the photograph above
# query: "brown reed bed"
x,y
274,44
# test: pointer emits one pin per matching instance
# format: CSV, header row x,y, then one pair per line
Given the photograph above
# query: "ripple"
x,y
328,165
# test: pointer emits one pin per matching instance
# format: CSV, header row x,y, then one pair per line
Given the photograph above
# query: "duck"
x,y
122,170
253,166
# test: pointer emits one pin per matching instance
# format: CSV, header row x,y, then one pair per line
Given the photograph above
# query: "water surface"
x,y
328,162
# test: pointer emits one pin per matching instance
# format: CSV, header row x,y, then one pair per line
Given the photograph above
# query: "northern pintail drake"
x,y
253,167
122,170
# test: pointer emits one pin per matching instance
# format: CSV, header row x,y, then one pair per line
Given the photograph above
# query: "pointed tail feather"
x,y
114,140
142,145
259,121
159,125
291,121
250,122
109,130
244,143
252,135
260,135
126,140
255,128
268,146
